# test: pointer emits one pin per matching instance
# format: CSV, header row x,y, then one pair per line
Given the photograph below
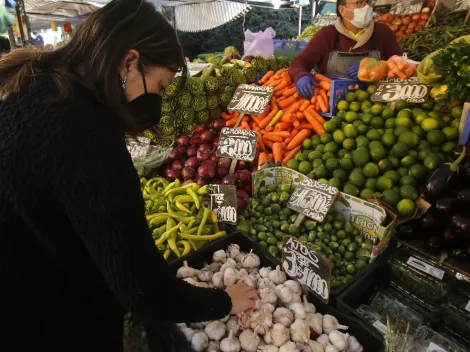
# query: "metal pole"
x,y
314,10
300,20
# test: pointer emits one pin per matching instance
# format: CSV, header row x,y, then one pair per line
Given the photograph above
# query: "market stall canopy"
x,y
60,8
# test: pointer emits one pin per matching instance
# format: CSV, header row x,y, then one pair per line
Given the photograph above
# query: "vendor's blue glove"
x,y
352,71
304,86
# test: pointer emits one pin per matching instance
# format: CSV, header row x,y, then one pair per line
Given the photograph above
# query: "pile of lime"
x,y
373,152
267,219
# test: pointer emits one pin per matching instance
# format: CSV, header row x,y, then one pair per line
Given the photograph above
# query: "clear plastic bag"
x,y
401,67
156,156
372,70
259,44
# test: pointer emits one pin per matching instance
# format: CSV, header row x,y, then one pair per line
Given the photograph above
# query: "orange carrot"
x,y
270,156
303,126
269,129
245,124
267,137
325,85
313,100
298,139
268,144
316,91
274,110
261,145
281,86
280,99
322,103
319,118
329,93
267,76
226,116
317,105
287,102
289,92
278,152
283,134
292,135
290,154
296,123
318,77
288,117
282,126
310,115
300,115
231,122
273,83
295,107
304,105
323,93
263,158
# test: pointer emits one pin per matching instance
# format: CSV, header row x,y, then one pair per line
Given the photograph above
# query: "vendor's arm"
x,y
389,41
312,55
98,187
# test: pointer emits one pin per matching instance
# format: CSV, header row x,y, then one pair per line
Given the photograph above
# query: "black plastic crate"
x,y
371,342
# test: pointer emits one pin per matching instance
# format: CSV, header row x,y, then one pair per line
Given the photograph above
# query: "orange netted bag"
x,y
401,67
372,70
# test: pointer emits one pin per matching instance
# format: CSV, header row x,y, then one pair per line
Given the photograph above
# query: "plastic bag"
x,y
401,67
372,70
156,156
259,44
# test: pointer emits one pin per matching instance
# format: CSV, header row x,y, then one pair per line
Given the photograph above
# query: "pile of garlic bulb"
x,y
282,321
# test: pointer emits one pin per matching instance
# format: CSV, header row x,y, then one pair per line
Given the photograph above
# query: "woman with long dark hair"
x,y
75,248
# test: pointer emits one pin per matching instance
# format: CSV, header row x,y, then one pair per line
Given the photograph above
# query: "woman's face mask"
x,y
362,16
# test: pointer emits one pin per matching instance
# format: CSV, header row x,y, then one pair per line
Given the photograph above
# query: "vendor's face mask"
x,y
146,108
362,16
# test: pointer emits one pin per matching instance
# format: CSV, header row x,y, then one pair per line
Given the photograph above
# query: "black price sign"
x,y
411,90
307,266
237,144
251,99
313,199
224,202
406,7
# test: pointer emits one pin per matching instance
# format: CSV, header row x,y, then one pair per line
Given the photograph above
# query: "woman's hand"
x,y
243,298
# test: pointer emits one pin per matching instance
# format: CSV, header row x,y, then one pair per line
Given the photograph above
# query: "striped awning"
x,y
207,15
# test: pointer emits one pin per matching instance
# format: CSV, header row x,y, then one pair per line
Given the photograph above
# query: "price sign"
x,y
251,99
425,267
324,20
139,148
406,7
307,266
461,5
224,202
313,199
410,90
435,348
194,68
237,144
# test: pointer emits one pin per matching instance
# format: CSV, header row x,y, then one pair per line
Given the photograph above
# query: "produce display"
x,y
178,216
308,33
282,321
405,25
268,220
371,151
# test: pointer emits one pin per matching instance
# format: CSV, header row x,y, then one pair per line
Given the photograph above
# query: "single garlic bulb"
x,y
248,281
244,320
232,325
277,336
315,321
294,286
267,307
265,283
268,295
230,277
261,321
251,260
205,275
219,256
240,256
263,272
233,251
288,347
300,331
218,280
186,271
283,316
249,340
284,293
230,344
277,276
199,341
298,309
214,346
215,330
308,307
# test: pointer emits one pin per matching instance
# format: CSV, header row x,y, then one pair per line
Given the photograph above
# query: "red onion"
x,y
188,173
195,141
173,175
244,176
209,163
225,163
241,193
214,158
229,180
207,137
174,155
192,162
188,182
215,143
191,151
204,148
203,156
217,125
181,149
221,172
177,165
183,141
201,182
206,172
200,128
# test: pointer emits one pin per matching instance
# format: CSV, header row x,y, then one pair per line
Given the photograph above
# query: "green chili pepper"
x,y
194,196
205,216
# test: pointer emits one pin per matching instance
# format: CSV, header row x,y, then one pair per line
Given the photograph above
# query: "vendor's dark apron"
x,y
339,61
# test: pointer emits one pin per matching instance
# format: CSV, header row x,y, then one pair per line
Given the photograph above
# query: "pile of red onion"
x,y
194,160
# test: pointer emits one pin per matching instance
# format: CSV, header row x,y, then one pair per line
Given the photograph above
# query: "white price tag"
x,y
435,348
425,267
467,307
380,326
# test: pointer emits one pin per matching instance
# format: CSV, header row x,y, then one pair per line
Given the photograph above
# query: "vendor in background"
x,y
338,49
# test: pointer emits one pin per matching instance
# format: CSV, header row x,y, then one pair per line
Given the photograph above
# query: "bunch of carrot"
x,y
288,120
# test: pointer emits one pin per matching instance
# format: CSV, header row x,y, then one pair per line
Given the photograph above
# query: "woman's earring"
x,y
123,83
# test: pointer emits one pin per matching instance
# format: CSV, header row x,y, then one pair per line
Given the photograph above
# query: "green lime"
x,y
400,105
326,137
408,192
430,124
420,118
407,180
307,143
448,147
350,117
300,157
406,207
436,137
362,95
402,171
399,150
367,193
455,123
418,171
362,129
416,112
314,155
349,144
450,133
341,174
320,148
384,183
320,172
390,197
367,118
375,145
433,161
350,131
427,105
418,131
390,124
305,167
346,164
350,97
331,147
376,110
323,180
399,130
377,122
315,141
360,157
370,170
371,183
342,153
327,155
377,154
388,113
351,189
385,165
373,135
343,105
371,89
395,161
339,136
335,182
362,141
410,139
403,121
357,179
456,112
331,164
317,162
329,127
408,161
424,153
355,106
447,119
293,164
393,175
